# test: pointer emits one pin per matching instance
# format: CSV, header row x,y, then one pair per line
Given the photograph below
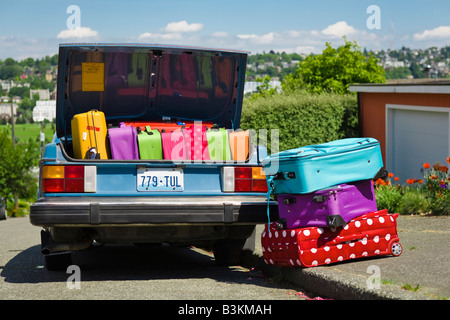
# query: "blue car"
x,y
206,203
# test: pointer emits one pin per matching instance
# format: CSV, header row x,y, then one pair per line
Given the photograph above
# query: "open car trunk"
x,y
149,84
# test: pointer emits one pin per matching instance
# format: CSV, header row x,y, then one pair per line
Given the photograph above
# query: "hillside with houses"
x,y
28,87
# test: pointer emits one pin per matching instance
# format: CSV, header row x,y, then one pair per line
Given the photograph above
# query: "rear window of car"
x,y
189,85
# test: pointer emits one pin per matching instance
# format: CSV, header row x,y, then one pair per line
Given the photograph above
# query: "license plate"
x,y
150,179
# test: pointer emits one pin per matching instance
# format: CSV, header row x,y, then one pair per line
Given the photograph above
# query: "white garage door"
x,y
415,135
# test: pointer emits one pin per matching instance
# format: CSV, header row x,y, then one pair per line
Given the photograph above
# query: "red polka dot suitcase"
x,y
372,234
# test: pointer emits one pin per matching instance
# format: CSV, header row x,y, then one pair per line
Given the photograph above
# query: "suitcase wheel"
x,y
396,249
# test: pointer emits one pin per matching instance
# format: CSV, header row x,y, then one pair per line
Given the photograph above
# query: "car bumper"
x,y
99,211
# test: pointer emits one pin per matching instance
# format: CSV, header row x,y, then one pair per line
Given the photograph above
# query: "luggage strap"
x,y
97,155
270,183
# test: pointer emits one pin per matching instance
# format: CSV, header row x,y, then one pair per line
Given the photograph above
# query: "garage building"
x,y
411,121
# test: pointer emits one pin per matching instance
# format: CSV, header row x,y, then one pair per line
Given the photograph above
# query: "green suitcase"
x,y
138,70
150,145
218,144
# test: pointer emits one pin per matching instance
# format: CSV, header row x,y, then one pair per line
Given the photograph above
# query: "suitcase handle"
x,y
351,238
323,197
335,220
281,176
148,130
364,140
289,200
320,198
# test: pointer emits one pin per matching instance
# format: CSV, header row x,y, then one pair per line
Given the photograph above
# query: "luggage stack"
x,y
197,141
327,206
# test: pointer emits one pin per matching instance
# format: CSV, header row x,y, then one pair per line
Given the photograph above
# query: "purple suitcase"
x,y
331,207
123,141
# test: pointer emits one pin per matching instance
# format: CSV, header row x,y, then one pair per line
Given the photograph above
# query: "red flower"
x,y
448,159
426,165
390,175
443,169
396,178
410,181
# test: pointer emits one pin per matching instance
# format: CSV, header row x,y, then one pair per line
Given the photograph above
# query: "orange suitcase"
x,y
89,135
239,143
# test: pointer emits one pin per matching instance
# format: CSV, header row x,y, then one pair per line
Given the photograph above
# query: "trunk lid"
x,y
150,83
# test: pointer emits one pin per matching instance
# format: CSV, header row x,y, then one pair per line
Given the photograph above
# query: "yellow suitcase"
x,y
89,135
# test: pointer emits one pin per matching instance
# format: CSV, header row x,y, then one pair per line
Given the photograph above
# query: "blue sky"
x,y
34,28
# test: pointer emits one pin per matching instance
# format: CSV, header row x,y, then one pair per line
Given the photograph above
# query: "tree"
x,y
417,71
19,91
10,72
398,73
16,163
335,69
264,89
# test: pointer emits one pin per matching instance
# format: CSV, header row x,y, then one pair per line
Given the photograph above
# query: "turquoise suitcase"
x,y
311,168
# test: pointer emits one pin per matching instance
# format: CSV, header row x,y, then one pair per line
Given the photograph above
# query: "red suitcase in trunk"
x,y
167,126
372,234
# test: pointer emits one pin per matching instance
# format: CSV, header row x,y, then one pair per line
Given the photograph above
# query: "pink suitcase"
x,y
123,142
331,207
196,142
174,147
372,234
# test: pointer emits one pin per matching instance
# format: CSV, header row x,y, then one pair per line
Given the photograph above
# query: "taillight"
x,y
243,179
67,179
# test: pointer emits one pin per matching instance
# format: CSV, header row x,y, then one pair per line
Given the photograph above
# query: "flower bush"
x,y
429,195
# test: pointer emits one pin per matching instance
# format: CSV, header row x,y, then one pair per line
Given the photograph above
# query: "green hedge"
x,y
303,118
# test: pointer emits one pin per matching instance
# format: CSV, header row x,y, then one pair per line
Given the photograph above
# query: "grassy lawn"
x,y
24,132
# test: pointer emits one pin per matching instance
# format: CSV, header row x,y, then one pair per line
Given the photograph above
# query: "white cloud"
x,y
183,26
174,32
436,33
261,39
339,29
77,33
145,35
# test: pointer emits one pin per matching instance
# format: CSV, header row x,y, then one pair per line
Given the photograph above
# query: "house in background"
x,y
410,120
44,94
44,110
5,110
